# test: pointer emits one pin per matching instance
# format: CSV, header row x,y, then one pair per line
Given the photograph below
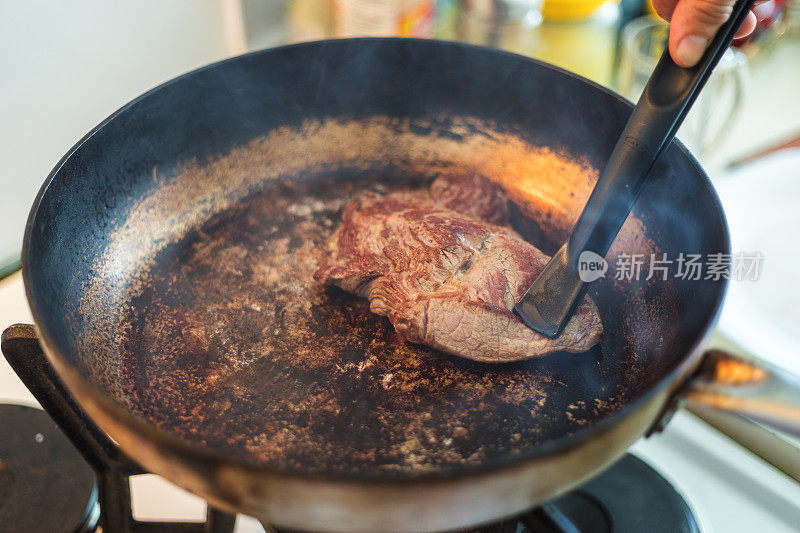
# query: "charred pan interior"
x,y
169,260
214,329
230,342
234,344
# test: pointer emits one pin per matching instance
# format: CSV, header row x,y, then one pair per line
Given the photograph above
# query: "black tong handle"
x,y
666,100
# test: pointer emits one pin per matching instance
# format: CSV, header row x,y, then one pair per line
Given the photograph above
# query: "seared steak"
x,y
446,271
470,195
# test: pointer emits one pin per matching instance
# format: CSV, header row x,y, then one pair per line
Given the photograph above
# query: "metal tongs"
x,y
554,295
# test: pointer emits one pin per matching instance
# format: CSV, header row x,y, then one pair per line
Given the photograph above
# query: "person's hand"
x,y
693,24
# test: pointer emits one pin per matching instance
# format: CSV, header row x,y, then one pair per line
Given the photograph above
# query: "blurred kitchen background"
x,y
67,66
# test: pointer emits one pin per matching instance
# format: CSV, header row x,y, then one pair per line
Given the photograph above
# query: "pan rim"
x,y
178,445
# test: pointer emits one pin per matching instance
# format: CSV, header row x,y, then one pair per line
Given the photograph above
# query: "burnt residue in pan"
x,y
233,345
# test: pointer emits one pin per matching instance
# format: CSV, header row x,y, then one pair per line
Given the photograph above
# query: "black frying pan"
x,y
167,261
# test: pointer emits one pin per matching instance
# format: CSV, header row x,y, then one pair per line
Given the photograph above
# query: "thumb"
x,y
693,25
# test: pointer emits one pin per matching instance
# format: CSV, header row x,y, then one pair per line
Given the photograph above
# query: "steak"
x,y
445,268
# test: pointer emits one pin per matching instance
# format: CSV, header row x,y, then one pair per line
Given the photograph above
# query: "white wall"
x,y
65,66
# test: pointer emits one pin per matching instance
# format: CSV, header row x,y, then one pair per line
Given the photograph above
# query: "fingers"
x,y
693,24
747,26
664,8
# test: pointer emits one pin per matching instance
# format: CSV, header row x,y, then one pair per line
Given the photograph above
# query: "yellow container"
x,y
570,10
579,35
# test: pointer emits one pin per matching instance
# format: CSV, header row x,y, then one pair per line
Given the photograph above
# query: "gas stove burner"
x,y
629,497
45,485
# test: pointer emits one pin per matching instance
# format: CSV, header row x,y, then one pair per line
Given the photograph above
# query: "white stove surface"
x,y
729,489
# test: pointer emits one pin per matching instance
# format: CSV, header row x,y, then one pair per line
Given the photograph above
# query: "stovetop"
x,y
725,488
47,486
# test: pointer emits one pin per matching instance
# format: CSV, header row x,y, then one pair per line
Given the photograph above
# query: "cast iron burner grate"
x,y
111,469
43,479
